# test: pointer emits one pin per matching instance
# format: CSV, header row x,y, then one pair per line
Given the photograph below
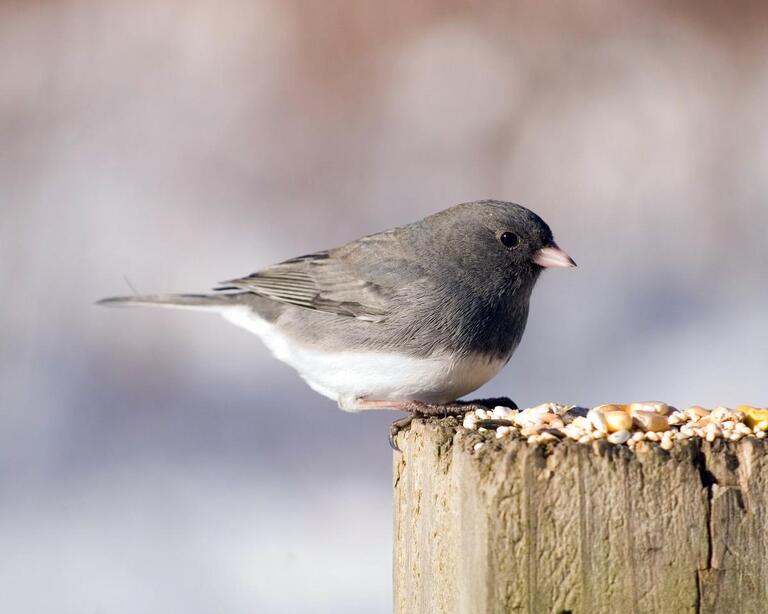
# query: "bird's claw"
x,y
395,428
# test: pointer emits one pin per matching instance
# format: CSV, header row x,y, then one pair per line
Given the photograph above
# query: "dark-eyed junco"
x,y
409,318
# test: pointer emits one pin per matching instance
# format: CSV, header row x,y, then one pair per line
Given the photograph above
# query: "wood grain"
x,y
577,528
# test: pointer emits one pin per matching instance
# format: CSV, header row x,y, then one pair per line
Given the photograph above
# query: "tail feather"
x,y
174,301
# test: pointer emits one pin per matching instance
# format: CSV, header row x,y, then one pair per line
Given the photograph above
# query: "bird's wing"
x,y
355,280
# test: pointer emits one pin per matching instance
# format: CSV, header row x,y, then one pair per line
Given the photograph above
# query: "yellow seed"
x,y
667,443
618,421
650,421
753,415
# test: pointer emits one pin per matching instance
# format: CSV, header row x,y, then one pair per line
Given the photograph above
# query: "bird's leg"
x,y
415,407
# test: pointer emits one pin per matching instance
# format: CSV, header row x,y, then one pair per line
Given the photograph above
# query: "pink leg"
x,y
414,407
363,404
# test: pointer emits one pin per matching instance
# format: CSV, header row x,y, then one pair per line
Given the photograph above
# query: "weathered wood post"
x,y
573,527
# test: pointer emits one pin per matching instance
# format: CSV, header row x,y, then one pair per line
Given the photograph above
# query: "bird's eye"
x,y
509,239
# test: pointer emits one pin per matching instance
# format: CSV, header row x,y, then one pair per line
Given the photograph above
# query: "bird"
x,y
411,318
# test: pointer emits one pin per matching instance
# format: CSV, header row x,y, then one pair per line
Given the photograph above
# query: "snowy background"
x,y
159,461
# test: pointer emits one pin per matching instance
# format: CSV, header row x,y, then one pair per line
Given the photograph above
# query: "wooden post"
x,y
578,528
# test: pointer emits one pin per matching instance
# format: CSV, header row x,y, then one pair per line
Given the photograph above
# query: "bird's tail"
x,y
175,301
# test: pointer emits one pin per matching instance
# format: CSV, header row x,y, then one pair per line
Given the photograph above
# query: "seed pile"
x,y
620,424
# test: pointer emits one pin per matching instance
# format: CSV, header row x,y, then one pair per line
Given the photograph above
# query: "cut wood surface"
x,y
580,528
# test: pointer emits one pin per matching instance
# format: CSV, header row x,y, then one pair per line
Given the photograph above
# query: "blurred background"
x,y
161,461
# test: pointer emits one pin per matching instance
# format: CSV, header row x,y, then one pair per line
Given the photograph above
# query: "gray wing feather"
x,y
354,280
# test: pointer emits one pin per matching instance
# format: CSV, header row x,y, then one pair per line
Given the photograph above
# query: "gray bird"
x,y
411,318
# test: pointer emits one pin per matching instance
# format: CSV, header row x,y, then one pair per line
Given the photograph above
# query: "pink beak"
x,y
553,256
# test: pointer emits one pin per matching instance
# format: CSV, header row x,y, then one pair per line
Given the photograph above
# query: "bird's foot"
x,y
416,409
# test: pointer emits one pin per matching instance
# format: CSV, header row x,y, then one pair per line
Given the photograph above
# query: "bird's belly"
x,y
346,376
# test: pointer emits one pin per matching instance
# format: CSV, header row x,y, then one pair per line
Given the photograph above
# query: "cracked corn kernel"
x,y
650,421
617,421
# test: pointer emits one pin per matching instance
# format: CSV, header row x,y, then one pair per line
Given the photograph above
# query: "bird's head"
x,y
496,246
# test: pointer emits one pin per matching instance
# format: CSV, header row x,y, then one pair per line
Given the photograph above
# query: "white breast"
x,y
347,377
